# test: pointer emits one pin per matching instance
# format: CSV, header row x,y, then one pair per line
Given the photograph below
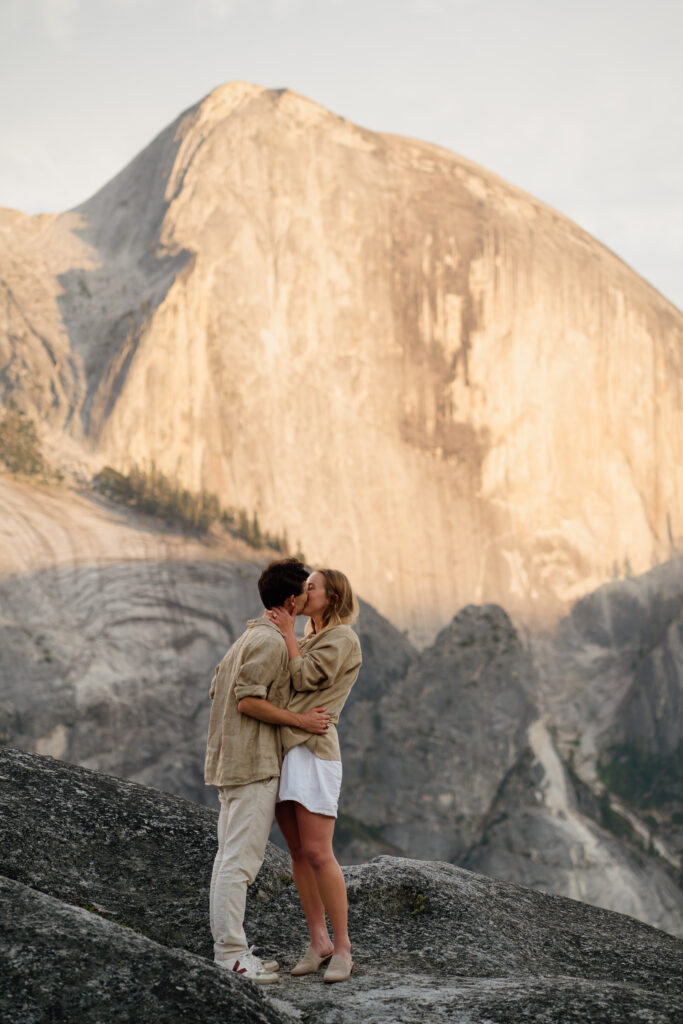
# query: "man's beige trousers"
x,y
243,826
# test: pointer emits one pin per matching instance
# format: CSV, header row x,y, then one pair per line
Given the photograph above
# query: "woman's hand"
x,y
316,720
283,620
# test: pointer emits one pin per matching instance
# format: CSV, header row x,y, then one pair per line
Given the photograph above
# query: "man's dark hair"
x,y
280,580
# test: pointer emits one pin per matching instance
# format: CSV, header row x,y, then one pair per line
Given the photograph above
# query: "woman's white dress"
x,y
311,781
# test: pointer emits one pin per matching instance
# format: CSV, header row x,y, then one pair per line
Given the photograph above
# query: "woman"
x,y
323,668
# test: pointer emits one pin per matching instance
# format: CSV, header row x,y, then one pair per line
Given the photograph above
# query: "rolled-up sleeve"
x,y
319,669
260,667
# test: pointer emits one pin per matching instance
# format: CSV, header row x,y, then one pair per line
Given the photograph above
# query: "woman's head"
x,y
330,599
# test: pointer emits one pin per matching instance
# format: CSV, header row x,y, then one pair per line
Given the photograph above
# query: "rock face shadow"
x,y
107,307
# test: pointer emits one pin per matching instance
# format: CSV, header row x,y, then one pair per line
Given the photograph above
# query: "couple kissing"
x,y
272,749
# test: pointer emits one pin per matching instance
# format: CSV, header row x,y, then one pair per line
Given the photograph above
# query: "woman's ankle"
x,y
343,948
322,944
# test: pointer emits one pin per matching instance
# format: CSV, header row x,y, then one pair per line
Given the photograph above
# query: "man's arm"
x,y
315,721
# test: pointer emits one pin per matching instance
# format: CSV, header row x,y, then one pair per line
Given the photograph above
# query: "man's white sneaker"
x,y
246,965
269,966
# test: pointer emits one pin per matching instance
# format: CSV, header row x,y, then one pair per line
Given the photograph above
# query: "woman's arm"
x,y
315,668
322,665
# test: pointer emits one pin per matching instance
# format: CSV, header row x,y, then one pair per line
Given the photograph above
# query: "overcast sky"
x,y
576,101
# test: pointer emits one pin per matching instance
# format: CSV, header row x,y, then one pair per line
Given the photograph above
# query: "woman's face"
x,y
316,597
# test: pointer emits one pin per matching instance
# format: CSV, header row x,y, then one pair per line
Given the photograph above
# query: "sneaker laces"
x,y
257,959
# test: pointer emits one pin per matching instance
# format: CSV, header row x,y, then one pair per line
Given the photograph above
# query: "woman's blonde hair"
x,y
343,607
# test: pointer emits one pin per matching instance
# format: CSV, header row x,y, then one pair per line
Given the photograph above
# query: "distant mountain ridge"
x,y
450,389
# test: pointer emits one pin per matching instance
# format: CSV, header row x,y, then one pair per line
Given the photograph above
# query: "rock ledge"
x,y
105,897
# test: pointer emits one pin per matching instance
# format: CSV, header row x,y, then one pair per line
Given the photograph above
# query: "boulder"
x,y
428,938
64,963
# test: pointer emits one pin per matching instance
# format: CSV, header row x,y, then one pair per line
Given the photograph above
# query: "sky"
x,y
577,103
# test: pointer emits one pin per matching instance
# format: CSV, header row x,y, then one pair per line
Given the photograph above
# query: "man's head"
x,y
283,584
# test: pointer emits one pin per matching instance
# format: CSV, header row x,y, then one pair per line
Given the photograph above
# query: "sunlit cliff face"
x,y
480,402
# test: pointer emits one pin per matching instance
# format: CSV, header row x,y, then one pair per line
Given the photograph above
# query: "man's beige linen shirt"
x,y
240,749
322,677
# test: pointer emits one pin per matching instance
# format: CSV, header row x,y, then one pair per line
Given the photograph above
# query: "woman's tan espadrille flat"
x,y
310,963
339,970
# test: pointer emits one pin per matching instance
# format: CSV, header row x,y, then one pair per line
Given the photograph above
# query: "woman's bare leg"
x,y
315,836
304,878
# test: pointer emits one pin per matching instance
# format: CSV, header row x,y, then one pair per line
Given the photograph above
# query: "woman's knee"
x,y
317,854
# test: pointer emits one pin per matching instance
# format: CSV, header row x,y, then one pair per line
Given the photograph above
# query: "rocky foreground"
x,y
105,893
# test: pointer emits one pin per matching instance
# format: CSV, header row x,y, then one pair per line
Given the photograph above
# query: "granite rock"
x,y
612,686
428,938
427,762
103,843
63,963
480,383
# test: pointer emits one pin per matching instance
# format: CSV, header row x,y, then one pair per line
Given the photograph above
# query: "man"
x,y
243,758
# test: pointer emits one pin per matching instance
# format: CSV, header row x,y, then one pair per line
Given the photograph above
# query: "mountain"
x,y
517,756
425,375
105,890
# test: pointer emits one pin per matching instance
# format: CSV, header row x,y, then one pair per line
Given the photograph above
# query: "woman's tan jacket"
x,y
322,676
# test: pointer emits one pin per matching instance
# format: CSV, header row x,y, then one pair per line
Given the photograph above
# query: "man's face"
x,y
299,602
